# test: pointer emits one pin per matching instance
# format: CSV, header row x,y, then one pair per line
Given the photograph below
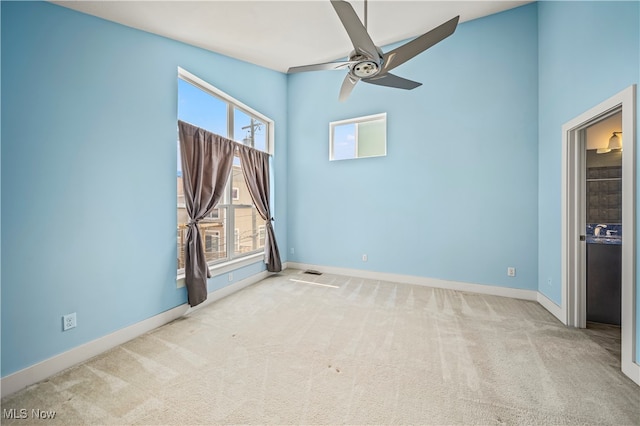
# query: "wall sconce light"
x,y
615,142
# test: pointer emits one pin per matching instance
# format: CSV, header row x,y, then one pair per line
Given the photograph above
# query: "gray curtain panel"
x,y
206,163
255,166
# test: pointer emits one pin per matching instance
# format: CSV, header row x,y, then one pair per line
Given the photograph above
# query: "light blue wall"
x,y
588,52
88,173
456,196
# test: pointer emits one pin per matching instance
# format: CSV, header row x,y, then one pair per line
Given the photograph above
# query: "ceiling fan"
x,y
367,62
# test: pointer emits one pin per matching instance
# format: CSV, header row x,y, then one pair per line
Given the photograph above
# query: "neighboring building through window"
x,y
262,235
212,241
234,228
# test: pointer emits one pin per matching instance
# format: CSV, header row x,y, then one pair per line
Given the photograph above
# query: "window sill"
x,y
222,268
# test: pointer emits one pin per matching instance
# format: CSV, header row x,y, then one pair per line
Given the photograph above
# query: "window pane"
x,y
245,218
371,138
201,109
214,233
344,141
239,191
262,235
246,230
249,130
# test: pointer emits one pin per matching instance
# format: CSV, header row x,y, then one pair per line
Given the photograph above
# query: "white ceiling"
x,y
281,34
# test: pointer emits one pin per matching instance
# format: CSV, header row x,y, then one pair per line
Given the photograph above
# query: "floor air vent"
x,y
312,272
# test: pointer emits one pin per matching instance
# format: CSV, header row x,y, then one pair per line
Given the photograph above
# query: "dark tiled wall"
x,y
604,195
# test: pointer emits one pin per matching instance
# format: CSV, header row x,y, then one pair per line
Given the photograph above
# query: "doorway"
x,y
603,231
574,221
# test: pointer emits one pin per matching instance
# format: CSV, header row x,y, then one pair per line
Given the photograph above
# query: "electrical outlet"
x,y
292,250
68,321
365,258
511,271
549,282
230,276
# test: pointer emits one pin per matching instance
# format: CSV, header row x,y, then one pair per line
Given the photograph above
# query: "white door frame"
x,y
573,250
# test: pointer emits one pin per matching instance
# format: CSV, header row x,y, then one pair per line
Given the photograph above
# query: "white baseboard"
x,y
550,306
44,369
632,371
514,293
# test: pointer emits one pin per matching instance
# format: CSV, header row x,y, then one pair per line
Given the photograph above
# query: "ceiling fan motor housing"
x,y
366,65
365,69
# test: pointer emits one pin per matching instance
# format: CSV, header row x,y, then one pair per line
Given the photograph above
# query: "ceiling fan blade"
x,y
358,34
408,50
391,80
321,67
347,86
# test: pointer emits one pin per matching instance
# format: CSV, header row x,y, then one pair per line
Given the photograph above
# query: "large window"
x,y
234,228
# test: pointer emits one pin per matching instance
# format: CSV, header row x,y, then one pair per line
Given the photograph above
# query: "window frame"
x,y
232,259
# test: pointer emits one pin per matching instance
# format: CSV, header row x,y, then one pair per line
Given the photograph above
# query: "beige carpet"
x,y
366,352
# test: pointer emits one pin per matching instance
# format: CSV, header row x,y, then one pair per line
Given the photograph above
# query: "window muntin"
x,y
358,137
230,231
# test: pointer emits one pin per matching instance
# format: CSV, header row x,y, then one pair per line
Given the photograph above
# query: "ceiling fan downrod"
x,y
365,14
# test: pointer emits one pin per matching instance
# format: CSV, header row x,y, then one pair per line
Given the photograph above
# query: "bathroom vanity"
x,y
604,278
